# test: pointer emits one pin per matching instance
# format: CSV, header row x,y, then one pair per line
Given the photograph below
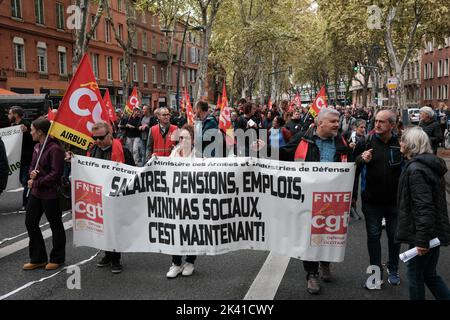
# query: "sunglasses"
x,y
101,138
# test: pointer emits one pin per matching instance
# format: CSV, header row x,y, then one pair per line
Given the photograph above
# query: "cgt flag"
x,y
133,102
319,103
189,111
109,107
225,118
80,108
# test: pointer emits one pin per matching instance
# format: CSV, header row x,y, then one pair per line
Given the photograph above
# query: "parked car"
x,y
34,105
414,115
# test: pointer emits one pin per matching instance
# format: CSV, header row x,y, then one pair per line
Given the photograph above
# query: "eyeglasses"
x,y
101,138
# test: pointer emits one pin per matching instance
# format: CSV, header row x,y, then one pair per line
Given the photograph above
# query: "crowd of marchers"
x,y
398,174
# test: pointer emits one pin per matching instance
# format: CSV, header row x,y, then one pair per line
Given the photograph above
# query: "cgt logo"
x,y
88,206
330,213
74,104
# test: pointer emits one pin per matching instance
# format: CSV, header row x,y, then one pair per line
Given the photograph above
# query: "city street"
x,y
237,275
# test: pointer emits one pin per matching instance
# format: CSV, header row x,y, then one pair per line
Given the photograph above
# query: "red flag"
x,y
219,103
319,103
80,108
225,118
183,103
298,100
50,114
133,102
291,106
270,103
109,107
190,112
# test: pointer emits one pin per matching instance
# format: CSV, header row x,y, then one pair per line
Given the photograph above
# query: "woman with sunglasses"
x,y
184,149
45,177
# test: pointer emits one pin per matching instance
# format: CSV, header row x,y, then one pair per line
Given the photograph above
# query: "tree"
x,y
83,34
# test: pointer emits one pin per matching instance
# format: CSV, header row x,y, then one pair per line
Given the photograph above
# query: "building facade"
x,y
435,74
37,46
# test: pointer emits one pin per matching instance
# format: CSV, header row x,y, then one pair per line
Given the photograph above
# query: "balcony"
x,y
162,57
21,74
43,76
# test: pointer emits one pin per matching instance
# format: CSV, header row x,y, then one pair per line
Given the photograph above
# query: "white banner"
x,y
12,138
190,206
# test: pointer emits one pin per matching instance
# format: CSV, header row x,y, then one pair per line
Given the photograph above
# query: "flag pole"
x,y
41,151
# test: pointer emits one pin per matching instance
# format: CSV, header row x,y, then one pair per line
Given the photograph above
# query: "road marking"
x,y
266,283
24,233
22,244
16,190
46,278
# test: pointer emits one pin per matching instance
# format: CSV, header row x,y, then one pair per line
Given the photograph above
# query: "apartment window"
x,y
42,57
144,41
62,59
431,71
121,69
446,70
154,44
39,9
95,67
445,92
119,5
134,41
447,42
162,75
154,76
108,32
19,54
94,34
439,92
16,9
120,31
59,16
439,70
431,93
169,75
192,55
135,72
430,46
417,71
109,68
144,76
154,21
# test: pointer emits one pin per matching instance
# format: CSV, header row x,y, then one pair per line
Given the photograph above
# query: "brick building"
x,y
36,52
435,79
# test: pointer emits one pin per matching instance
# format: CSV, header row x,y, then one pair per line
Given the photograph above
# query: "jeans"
x,y
421,270
133,145
35,209
24,177
312,267
176,260
142,152
374,215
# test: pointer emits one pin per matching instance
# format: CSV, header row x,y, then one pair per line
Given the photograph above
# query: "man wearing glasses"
x,y
381,166
160,142
107,148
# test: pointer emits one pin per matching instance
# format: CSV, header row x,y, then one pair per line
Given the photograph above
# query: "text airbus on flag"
x,y
81,107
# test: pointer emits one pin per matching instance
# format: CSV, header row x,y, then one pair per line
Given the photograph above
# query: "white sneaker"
x,y
383,223
188,269
174,271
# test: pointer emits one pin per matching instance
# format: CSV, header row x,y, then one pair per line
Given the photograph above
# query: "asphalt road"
x,y
223,277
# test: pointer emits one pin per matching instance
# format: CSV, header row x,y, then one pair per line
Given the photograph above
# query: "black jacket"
x,y
287,153
4,167
434,132
422,202
379,177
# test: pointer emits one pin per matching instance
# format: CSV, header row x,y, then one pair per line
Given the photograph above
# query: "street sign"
x,y
392,83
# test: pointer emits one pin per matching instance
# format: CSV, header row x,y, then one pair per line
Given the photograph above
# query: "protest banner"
x,y
213,206
12,138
